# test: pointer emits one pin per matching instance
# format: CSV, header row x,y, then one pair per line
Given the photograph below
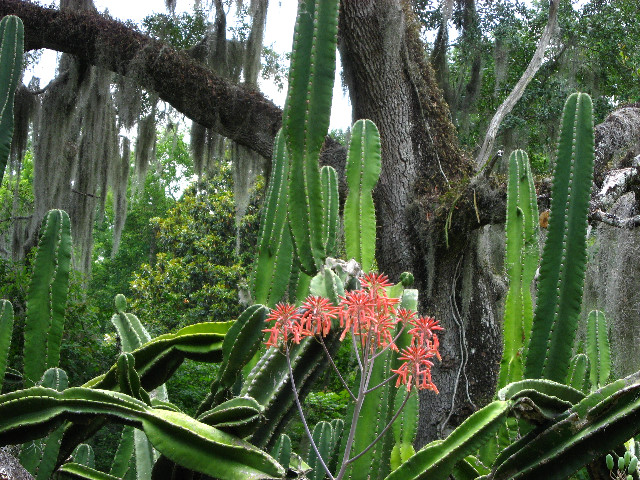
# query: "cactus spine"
x,y
363,169
306,121
11,50
564,258
47,297
521,261
6,329
598,349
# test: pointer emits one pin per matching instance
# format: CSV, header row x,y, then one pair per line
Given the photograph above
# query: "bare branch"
x,y
518,90
614,220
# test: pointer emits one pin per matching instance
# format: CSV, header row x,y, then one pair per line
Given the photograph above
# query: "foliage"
x,y
195,274
594,52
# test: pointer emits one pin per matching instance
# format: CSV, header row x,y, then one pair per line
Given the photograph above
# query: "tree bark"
x,y
391,82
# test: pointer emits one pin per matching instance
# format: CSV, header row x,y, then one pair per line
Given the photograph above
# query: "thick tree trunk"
x,y
391,83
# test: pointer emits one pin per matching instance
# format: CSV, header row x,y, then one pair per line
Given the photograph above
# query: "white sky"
x,y
279,33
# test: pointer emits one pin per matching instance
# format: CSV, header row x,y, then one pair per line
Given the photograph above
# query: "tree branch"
x,y
518,90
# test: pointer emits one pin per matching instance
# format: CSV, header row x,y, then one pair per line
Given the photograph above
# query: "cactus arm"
x,y
47,297
274,261
578,372
404,429
564,258
77,471
30,413
239,416
306,121
122,459
521,261
6,330
362,171
269,383
437,459
129,328
598,424
11,51
598,349
282,451
322,436
511,362
331,217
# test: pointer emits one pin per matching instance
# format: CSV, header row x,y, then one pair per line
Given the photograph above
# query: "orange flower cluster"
x,y
369,314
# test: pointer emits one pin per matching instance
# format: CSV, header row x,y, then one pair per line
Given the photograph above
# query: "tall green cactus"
x,y
274,262
306,121
11,50
6,329
598,349
564,257
363,169
521,261
47,297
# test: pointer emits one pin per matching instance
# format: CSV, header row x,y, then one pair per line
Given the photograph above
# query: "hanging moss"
x,y
24,109
118,181
145,145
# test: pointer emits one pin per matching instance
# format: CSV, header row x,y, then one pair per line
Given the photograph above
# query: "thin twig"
x,y
384,430
381,384
304,421
342,380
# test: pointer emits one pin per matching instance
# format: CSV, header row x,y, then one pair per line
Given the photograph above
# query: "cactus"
x,y
77,471
47,297
281,451
274,261
322,437
240,344
404,429
437,459
377,409
598,349
6,329
155,362
122,459
578,372
239,416
564,257
28,414
363,169
305,123
83,454
270,385
599,423
11,51
39,456
521,260
331,220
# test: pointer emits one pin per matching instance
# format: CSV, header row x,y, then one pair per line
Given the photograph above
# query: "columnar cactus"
x,y
11,51
564,257
305,123
598,349
363,170
521,261
47,297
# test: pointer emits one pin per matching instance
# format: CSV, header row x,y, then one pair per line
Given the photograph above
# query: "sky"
x,y
278,34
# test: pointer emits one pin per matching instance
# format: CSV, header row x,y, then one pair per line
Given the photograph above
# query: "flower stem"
x,y
384,430
342,380
304,422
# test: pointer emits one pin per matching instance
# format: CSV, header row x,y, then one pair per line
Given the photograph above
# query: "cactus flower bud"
x,y
609,461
